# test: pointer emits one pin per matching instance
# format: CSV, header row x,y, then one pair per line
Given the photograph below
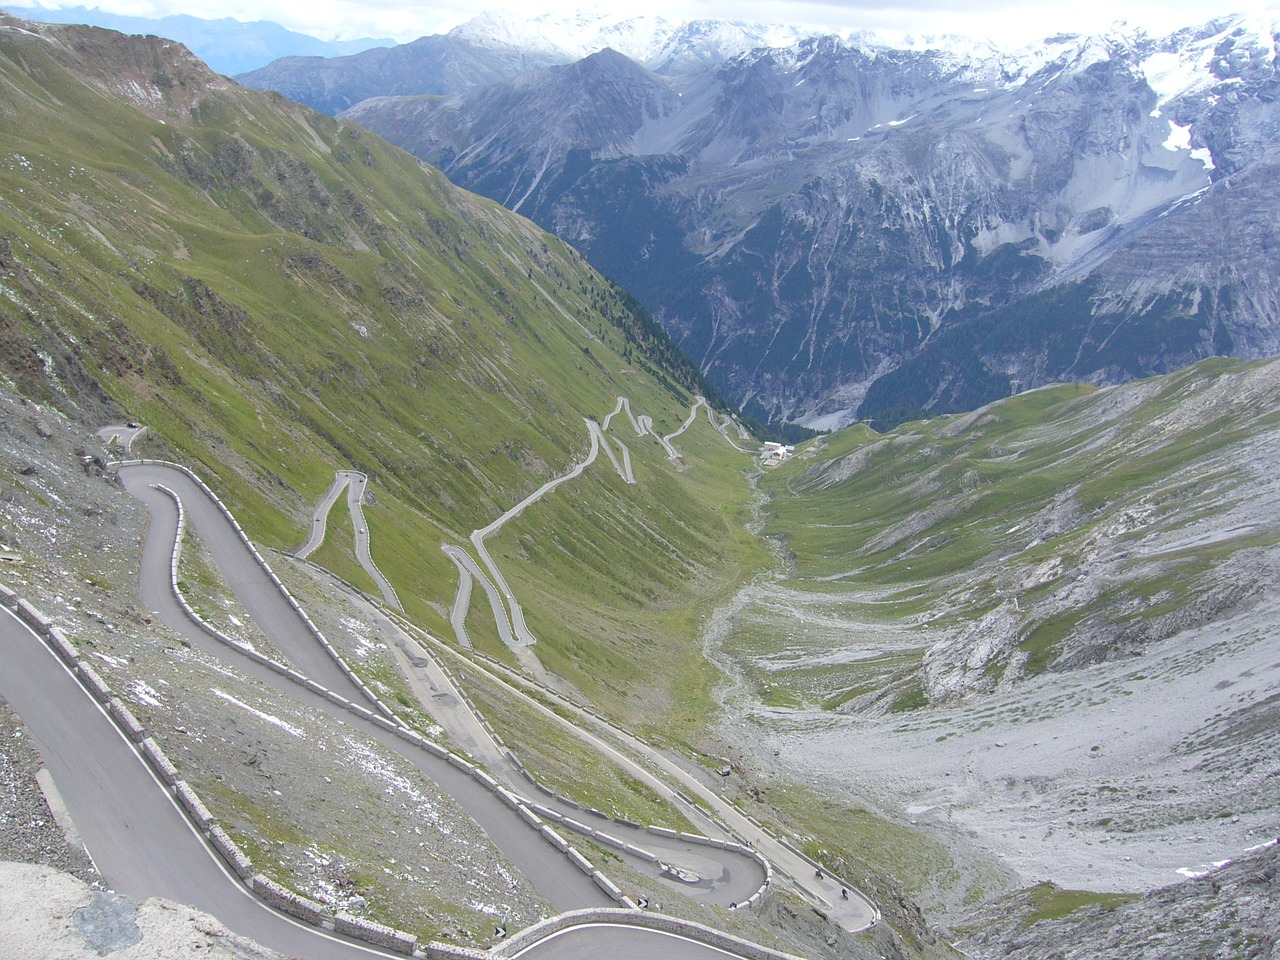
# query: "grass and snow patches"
x,y
378,769
267,717
142,693
119,663
359,632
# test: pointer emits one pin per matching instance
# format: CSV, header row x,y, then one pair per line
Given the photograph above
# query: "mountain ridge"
x,y
229,46
904,193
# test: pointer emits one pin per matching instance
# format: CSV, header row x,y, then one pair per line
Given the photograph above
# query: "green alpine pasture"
x,y
278,295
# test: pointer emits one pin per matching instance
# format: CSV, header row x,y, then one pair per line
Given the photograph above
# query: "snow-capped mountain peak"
x,y
1228,48
650,40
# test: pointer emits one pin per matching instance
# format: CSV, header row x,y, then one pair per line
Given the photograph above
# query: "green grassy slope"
x,y
279,295
1049,530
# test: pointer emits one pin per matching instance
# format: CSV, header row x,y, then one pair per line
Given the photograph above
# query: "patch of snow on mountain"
x,y
1185,67
1179,137
646,39
1173,74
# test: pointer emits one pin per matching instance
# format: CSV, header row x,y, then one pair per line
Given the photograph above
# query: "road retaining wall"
x,y
374,933
190,803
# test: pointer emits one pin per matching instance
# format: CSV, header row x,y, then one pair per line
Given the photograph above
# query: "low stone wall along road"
x,y
146,844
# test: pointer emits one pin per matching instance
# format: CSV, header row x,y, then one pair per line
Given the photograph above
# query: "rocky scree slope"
x,y
1053,530
1230,912
856,230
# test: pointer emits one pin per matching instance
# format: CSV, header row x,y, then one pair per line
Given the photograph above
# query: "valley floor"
x,y
1123,776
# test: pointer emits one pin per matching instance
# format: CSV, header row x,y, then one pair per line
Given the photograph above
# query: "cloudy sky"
x,y
1008,21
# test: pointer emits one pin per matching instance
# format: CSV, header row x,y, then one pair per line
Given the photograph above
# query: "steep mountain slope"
x,y
838,211
280,295
519,149
227,46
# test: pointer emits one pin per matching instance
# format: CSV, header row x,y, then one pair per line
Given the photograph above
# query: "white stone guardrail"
x,y
395,725
310,911
266,568
757,899
267,890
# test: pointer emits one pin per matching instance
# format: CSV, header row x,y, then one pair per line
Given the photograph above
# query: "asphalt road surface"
x,y
141,842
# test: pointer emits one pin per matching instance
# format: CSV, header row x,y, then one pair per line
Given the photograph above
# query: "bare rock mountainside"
x,y
1234,912
837,228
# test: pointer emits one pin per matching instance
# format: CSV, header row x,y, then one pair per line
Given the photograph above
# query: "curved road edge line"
x,y
266,567
532,937
159,768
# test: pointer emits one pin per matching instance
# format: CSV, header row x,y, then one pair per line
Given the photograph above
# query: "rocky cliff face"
x,y
836,229
1230,912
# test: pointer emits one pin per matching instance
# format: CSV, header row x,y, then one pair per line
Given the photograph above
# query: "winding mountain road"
x,y
672,452
512,628
158,485
178,845
144,846
355,483
140,841
563,885
854,912
519,630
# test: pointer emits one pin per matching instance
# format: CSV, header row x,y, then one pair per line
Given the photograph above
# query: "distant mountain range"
x,y
853,226
228,46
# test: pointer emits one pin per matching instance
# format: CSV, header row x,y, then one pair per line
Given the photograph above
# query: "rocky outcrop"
x,y
1230,912
49,913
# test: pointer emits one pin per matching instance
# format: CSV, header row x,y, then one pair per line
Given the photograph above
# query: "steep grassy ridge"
x,y
279,295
